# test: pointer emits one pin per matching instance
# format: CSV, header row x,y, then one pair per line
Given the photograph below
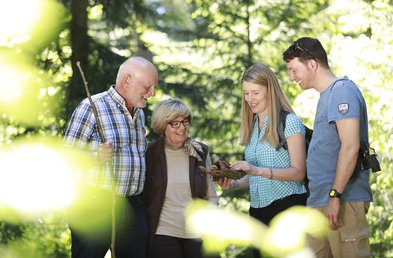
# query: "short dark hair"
x,y
305,49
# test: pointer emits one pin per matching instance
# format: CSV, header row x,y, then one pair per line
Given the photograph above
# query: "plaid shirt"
x,y
125,131
264,191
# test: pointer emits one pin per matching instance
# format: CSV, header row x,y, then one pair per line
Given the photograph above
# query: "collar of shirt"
x,y
121,103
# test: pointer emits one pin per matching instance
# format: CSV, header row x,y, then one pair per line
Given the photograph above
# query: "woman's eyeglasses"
x,y
176,124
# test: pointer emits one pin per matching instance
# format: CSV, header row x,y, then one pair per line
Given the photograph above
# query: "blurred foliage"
x,y
220,227
201,48
380,216
47,237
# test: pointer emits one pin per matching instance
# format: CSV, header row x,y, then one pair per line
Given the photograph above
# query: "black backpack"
x,y
282,142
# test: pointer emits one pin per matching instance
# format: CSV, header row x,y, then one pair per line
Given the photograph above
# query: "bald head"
x,y
136,81
137,64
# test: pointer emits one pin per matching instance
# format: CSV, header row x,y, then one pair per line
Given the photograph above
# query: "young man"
x,y
338,188
123,123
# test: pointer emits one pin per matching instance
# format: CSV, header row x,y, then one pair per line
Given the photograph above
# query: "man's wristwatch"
x,y
334,194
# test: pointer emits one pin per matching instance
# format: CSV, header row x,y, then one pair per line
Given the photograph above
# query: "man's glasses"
x,y
176,124
296,46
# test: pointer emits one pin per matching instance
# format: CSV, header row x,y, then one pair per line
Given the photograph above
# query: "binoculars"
x,y
368,161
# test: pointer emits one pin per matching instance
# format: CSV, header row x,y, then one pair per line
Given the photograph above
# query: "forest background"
x,y
200,48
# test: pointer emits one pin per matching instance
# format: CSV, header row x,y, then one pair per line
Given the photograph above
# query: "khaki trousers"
x,y
351,240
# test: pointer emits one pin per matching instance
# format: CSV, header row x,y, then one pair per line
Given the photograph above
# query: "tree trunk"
x,y
80,50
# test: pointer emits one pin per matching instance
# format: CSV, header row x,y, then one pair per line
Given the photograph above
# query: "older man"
x,y
123,123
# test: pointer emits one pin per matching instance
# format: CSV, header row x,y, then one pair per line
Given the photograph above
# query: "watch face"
x,y
334,193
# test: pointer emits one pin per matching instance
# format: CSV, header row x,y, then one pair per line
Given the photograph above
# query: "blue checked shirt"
x,y
264,191
125,131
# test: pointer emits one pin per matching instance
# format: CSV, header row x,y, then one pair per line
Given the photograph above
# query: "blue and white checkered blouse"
x,y
264,191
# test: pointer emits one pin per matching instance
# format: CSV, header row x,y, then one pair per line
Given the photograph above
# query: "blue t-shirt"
x,y
341,100
264,191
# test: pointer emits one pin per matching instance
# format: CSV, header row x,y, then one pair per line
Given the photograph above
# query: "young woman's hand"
x,y
246,167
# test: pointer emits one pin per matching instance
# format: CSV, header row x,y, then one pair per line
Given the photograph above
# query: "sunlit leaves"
x,y
220,228
45,237
89,213
24,92
95,12
287,231
380,215
23,95
38,175
16,23
29,26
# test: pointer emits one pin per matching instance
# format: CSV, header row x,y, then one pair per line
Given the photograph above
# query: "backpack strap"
x,y
282,142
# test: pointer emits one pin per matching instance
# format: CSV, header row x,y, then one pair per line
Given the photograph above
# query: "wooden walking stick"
x,y
113,179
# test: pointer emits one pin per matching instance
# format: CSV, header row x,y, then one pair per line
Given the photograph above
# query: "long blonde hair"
x,y
262,75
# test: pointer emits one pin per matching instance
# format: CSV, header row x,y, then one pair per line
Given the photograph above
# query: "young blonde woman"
x,y
275,173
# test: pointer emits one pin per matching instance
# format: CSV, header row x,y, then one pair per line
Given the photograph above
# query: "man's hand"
x,y
104,152
331,212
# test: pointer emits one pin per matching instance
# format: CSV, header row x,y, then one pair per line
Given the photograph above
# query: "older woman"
x,y
173,179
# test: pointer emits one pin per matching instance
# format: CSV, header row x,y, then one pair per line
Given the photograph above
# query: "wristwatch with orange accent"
x,y
334,194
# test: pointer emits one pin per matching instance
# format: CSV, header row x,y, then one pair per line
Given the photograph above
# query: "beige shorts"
x,y
351,240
